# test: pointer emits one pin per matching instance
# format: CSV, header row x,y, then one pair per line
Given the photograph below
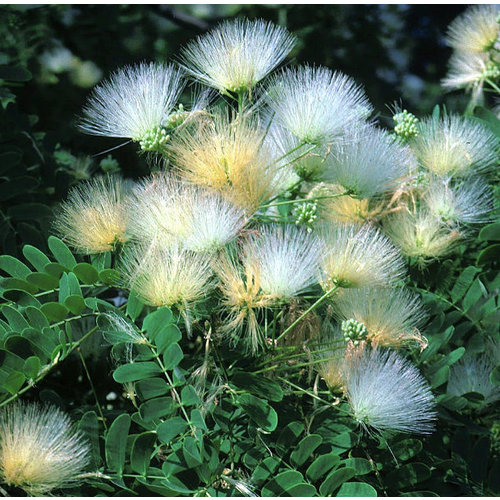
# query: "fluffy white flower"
x,y
454,146
465,71
237,54
135,102
166,276
172,212
40,450
421,235
470,201
391,316
368,161
359,256
386,392
286,259
316,104
476,30
472,374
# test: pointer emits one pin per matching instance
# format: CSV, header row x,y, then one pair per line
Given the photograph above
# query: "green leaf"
x,y
474,293
171,428
189,396
156,408
259,411
191,452
357,490
134,306
491,232
322,465
335,479
406,449
264,470
495,376
409,474
282,483
289,435
361,465
89,425
16,320
35,257
301,490
258,385
14,382
305,449
197,420
489,254
32,367
61,252
172,356
13,285
54,311
440,377
109,277
75,303
132,372
116,443
151,388
168,335
43,280
14,267
142,450
463,282
155,321
86,273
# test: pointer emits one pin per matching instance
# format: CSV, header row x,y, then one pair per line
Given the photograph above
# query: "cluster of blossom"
x,y
475,39
211,223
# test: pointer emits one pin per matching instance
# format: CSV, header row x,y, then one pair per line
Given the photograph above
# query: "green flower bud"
x,y
353,331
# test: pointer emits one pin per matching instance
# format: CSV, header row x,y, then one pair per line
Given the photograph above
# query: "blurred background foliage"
x,y
52,55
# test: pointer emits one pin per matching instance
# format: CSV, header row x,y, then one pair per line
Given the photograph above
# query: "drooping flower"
x,y
421,235
135,103
387,393
469,71
476,30
470,201
93,218
175,213
390,317
315,104
227,155
472,374
286,259
40,450
368,162
358,256
454,146
243,299
166,276
236,55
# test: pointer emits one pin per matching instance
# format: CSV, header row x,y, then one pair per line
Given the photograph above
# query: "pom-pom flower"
x,y
368,162
476,30
135,103
472,374
387,393
454,146
236,55
286,259
174,213
166,276
315,104
94,217
421,235
390,317
40,450
228,156
358,256
470,201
